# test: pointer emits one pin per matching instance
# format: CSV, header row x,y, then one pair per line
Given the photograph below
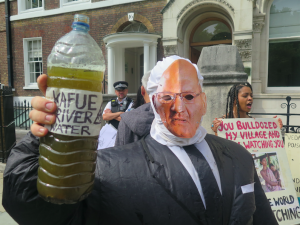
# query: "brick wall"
x,y
51,28
51,4
14,8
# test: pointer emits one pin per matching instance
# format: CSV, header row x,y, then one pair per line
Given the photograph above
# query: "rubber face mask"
x,y
179,99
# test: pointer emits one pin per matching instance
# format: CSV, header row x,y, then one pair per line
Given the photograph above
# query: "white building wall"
x,y
250,26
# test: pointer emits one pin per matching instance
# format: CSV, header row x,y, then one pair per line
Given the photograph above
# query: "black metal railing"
x,y
288,128
21,114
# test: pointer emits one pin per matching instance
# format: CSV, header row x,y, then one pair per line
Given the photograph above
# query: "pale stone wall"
x,y
249,20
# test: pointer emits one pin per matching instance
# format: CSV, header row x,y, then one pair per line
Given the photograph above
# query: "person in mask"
x,y
178,174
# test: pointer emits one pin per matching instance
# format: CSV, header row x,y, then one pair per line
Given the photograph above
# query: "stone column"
x,y
153,55
110,69
258,24
146,57
119,59
221,66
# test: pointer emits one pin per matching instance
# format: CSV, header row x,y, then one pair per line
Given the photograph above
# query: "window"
x,y
33,61
30,5
284,44
69,2
135,26
208,32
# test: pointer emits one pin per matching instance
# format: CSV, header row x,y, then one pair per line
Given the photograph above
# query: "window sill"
x,y
31,87
31,10
74,3
74,8
276,95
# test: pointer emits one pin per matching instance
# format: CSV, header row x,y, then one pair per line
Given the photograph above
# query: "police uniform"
x,y
115,105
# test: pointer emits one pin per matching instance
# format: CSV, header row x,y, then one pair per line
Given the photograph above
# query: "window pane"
x,y
284,64
31,4
285,18
136,27
35,4
35,59
212,31
28,4
29,45
36,76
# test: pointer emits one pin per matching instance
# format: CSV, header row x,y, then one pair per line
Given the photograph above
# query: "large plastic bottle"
x,y
68,152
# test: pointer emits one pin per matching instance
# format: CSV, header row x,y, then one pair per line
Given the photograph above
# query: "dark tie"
x,y
210,188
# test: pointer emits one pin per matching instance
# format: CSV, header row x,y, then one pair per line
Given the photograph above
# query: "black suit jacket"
x,y
139,183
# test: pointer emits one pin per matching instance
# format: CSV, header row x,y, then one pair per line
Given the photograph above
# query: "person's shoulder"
x,y
143,108
232,147
131,150
108,104
134,113
129,99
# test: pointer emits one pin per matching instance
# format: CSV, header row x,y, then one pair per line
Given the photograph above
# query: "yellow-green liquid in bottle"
x,y
67,160
67,163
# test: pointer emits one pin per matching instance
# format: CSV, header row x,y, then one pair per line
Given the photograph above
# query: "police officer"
x,y
116,106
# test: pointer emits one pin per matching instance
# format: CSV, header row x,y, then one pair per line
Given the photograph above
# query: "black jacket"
x,y
134,124
136,187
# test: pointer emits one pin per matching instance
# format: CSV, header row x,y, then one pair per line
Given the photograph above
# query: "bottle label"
x,y
78,111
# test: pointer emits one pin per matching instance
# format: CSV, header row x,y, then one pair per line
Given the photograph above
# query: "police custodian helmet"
x,y
120,85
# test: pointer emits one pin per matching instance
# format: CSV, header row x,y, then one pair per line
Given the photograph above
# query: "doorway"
x,y
134,59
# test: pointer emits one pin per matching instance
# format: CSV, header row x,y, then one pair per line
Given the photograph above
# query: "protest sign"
x,y
262,138
78,112
292,147
107,137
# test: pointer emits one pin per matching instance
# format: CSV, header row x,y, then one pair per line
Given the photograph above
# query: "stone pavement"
x,y
5,219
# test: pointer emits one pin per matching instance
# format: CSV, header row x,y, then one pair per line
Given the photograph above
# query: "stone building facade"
x,y
134,34
36,28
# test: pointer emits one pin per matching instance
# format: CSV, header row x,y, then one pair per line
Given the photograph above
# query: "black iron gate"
x,y
7,123
21,114
288,128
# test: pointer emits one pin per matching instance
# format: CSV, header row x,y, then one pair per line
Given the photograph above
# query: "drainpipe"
x,y
8,44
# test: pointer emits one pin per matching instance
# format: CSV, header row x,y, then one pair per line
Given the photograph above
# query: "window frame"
x,y
22,7
28,84
64,3
268,89
209,43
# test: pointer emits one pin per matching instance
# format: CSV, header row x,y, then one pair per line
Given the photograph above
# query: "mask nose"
x,y
178,105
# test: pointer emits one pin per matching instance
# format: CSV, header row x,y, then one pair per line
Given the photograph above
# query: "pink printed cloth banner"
x,y
262,138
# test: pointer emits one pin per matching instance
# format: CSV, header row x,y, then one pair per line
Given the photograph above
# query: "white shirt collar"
x,y
122,100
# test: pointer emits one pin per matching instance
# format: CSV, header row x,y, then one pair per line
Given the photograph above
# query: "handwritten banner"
x,y
262,138
78,111
292,147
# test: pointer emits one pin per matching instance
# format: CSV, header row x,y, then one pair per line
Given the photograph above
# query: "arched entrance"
x,y
209,32
131,52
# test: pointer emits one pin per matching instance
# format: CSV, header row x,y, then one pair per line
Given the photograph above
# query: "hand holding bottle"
x,y
43,110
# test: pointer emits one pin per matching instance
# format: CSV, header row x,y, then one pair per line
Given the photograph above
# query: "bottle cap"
x,y
81,18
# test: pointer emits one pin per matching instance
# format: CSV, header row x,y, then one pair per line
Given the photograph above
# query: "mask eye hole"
x,y
189,97
166,97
